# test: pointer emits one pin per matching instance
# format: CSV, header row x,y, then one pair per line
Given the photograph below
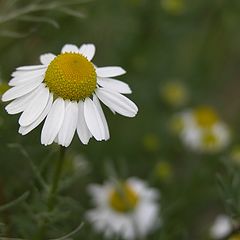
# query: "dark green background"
x,y
199,46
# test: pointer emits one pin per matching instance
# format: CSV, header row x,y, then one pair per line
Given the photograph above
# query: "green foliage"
x,y
195,42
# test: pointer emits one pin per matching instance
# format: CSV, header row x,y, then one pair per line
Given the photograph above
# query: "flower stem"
x,y
52,193
56,178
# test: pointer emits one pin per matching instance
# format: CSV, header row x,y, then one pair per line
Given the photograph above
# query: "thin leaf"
x,y
70,234
72,12
14,202
47,20
12,34
33,166
6,238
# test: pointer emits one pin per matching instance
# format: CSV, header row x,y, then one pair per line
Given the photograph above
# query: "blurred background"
x,y
179,55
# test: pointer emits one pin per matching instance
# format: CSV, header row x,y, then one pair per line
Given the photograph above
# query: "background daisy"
x,y
128,209
202,130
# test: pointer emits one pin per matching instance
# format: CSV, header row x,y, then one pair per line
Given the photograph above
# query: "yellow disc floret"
x,y
123,199
206,117
209,139
235,237
71,76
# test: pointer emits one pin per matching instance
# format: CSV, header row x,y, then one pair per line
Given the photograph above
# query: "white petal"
x,y
29,128
114,85
24,80
70,48
56,139
82,129
146,217
32,73
21,90
69,125
47,58
19,105
93,120
110,71
87,50
117,102
98,105
222,226
53,122
36,107
30,68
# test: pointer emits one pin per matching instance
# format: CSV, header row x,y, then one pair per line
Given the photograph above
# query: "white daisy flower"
x,y
202,130
222,226
128,209
66,89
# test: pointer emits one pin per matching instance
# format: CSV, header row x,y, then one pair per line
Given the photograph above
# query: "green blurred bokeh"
x,y
195,42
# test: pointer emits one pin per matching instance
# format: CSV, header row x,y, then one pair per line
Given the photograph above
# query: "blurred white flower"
x,y
222,226
127,209
202,130
65,89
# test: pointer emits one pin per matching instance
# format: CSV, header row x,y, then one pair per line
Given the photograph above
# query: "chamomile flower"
x,y
128,209
202,130
223,227
66,89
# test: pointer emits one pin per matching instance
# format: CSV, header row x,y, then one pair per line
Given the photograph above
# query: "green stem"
x,y
52,193
56,178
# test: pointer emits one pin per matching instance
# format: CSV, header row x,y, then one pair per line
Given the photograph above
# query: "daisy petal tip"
x,y
47,58
88,50
4,98
70,48
134,113
123,70
20,130
131,114
106,72
106,139
88,45
43,141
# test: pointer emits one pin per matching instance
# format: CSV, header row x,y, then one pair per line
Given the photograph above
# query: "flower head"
x,y
221,227
202,130
65,89
128,209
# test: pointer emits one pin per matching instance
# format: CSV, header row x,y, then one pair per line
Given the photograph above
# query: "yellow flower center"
x,y
210,139
71,76
123,199
206,117
235,237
